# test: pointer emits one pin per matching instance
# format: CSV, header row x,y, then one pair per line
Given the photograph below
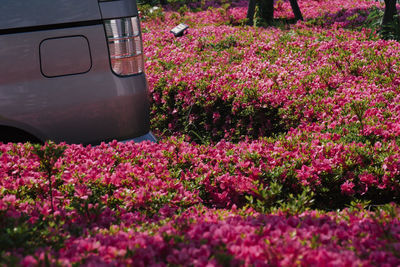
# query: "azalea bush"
x,y
173,204
325,95
277,147
234,83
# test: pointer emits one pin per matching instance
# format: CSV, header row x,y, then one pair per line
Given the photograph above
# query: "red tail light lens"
x,y
125,45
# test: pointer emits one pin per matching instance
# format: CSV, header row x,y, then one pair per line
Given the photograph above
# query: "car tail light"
x,y
125,45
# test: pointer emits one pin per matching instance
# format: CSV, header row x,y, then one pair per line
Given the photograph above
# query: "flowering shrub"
x,y
236,82
326,96
151,204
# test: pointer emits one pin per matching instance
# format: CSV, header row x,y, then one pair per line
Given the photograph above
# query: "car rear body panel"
x,y
65,99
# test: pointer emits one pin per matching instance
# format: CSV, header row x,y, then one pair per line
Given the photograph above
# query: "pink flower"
x,y
29,261
367,178
347,188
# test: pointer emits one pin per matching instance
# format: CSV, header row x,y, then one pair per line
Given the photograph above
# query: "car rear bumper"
x,y
147,137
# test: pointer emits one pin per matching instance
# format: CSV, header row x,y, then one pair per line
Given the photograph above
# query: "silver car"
x,y
73,71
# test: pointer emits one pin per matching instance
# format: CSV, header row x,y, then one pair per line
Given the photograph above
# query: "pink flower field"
x,y
277,146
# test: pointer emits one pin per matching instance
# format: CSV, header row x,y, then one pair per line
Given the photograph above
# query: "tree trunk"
x,y
266,11
390,11
296,10
250,12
